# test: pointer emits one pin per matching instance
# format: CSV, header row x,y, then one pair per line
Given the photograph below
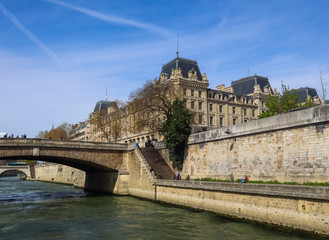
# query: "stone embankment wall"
x,y
301,208
58,173
291,147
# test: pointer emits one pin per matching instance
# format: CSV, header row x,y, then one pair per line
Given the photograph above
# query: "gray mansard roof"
x,y
184,64
246,85
102,105
304,92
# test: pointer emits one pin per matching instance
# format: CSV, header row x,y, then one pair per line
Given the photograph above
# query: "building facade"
x,y
241,102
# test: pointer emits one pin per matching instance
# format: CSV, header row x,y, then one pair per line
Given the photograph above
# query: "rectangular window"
x,y
184,91
219,97
200,118
200,93
221,121
234,121
233,110
220,108
211,120
192,93
209,95
200,105
192,104
210,107
253,113
245,111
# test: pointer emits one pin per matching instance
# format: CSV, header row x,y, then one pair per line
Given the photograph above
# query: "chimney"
x,y
229,89
220,87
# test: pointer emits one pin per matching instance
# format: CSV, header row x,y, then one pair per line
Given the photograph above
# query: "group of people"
x,y
12,136
245,180
179,177
148,144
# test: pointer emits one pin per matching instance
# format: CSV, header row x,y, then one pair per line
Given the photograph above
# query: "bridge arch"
x,y
102,162
15,171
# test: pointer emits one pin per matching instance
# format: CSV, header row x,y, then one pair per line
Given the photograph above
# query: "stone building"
x,y
305,93
81,132
241,102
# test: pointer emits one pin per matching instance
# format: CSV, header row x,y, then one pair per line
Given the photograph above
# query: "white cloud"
x,y
112,19
29,34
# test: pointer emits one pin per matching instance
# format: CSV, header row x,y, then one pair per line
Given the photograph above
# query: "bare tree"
x,y
100,123
42,134
60,132
108,121
152,101
323,85
66,127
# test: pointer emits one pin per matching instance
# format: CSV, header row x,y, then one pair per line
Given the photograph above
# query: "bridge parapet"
x,y
37,142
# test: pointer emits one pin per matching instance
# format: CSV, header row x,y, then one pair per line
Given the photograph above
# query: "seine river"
x,y
35,210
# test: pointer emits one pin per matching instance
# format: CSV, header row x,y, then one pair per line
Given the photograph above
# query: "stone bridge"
x,y
102,162
23,169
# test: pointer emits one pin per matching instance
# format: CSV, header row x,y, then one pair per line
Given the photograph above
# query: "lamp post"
x,y
229,131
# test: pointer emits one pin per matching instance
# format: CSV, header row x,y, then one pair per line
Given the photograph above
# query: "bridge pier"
x,y
107,182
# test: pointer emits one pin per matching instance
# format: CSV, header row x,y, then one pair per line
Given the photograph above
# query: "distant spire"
x,y
106,95
177,46
248,69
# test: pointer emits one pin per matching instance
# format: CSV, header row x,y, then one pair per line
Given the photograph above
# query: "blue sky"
x,y
57,58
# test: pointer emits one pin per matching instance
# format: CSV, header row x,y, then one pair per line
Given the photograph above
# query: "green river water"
x,y
36,210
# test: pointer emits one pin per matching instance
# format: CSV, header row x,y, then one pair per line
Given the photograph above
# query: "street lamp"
x,y
229,131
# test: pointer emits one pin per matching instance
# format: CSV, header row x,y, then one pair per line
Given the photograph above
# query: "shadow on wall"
x,y
101,181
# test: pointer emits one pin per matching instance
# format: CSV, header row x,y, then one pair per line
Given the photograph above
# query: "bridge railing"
x,y
38,142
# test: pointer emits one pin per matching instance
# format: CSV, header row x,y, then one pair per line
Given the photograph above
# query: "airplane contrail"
x,y
29,34
112,19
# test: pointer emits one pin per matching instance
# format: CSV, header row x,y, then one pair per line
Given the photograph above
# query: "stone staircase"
x,y
157,163
145,167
